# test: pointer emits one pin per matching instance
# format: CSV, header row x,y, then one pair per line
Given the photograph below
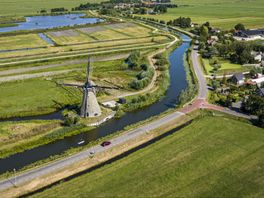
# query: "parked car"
x,y
105,143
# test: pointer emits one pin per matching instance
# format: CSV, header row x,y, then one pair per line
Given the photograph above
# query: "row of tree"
x,y
181,22
143,78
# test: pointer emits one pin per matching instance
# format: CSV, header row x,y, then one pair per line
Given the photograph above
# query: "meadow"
x,y
22,42
212,157
118,36
44,95
226,67
220,13
22,7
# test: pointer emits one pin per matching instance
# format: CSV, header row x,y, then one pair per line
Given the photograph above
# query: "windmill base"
x,y
90,106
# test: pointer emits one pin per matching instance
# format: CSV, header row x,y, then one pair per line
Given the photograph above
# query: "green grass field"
x,y
42,95
22,7
104,32
226,67
213,157
21,42
220,13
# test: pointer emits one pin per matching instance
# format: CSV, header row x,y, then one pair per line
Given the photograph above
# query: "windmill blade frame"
x,y
72,85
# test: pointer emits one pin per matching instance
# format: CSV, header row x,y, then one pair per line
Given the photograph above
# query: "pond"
x,y
48,22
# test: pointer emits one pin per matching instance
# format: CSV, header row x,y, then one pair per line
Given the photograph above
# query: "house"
x,y
258,56
258,81
249,35
213,40
260,92
238,79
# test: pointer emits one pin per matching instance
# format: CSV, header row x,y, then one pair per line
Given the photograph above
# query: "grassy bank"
x,y
21,136
213,156
162,83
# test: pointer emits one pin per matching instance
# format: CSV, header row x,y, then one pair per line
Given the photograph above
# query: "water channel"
x,y
178,83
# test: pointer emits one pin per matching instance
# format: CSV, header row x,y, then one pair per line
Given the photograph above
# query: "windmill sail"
x,y
89,106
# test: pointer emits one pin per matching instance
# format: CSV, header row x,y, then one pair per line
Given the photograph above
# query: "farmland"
x,y
117,36
21,42
43,95
212,156
220,13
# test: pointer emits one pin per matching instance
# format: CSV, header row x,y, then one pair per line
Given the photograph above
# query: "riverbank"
x,y
90,161
117,124
192,150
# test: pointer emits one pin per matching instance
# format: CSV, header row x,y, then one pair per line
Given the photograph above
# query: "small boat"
x,y
81,142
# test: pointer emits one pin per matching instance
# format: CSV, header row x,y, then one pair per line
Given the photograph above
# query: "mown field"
x,y
220,13
226,67
118,36
21,42
22,7
44,95
213,157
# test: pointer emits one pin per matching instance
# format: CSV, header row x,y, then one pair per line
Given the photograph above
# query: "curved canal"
x,y
178,83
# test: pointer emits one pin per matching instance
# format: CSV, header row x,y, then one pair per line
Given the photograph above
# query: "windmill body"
x,y
89,106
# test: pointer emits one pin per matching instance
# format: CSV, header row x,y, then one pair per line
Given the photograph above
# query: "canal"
x,y
178,83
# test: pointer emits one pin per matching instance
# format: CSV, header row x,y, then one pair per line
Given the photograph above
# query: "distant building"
x,y
248,35
238,79
258,81
258,56
212,40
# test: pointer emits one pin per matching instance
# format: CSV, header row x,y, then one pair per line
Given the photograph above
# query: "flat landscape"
x,y
220,13
212,157
116,36
98,102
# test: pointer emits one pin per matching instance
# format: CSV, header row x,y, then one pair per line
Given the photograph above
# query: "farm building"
x,y
238,79
248,35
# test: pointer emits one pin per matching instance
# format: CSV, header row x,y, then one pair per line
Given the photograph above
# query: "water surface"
x,y
48,22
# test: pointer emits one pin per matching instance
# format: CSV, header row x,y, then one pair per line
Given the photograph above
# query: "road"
x,y
199,102
60,164
202,93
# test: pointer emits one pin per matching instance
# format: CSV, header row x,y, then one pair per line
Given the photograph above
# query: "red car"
x,y
105,143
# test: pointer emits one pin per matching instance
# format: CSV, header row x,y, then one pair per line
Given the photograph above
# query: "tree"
x,y
240,26
143,10
133,59
204,33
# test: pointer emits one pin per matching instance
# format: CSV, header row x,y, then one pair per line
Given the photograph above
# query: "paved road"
x,y
199,73
200,102
60,164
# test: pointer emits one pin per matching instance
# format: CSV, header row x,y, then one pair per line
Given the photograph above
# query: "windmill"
x,y
89,106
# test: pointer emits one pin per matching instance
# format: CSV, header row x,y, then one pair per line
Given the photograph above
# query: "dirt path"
x,y
65,63
37,75
151,62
